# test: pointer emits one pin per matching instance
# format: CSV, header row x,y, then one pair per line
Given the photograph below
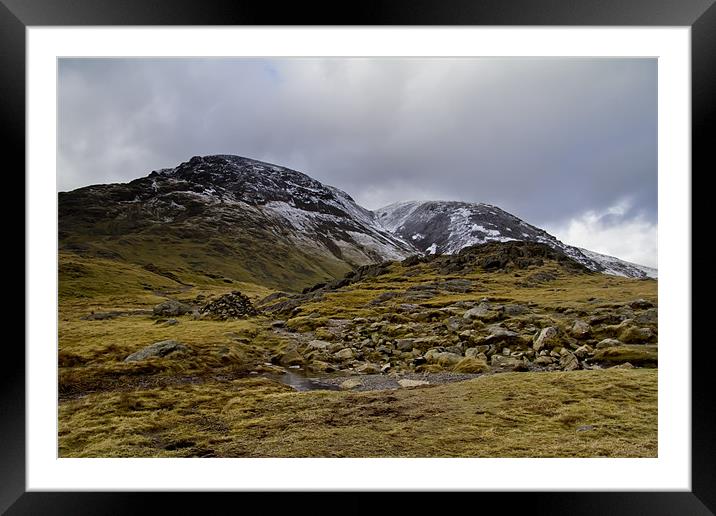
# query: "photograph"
x,y
357,257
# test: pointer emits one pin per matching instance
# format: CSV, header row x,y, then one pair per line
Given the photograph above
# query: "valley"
x,y
224,310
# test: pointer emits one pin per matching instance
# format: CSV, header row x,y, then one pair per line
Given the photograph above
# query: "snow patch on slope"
x,y
617,267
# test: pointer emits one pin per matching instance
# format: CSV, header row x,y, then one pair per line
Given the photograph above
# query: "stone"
x,y
368,368
425,343
350,384
290,358
320,366
635,335
405,382
625,365
482,312
548,338
471,365
170,322
345,354
583,352
457,349
385,368
404,344
609,343
641,304
648,317
580,330
544,361
280,323
471,352
513,310
510,363
454,323
447,359
158,350
467,335
318,345
172,307
568,362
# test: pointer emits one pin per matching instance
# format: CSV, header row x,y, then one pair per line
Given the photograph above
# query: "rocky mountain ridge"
x,y
232,218
446,227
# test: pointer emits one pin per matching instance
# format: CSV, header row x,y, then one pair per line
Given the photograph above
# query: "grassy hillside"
x,y
476,317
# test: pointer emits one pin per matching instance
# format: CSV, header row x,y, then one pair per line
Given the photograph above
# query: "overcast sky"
x,y
569,145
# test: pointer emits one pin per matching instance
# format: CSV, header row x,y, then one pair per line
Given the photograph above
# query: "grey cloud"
x,y
547,139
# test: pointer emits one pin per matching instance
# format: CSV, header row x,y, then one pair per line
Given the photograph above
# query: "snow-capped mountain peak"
x,y
446,227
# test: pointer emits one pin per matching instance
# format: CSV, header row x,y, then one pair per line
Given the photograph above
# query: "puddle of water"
x,y
302,383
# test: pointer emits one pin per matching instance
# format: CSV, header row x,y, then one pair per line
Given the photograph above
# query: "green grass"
x,y
205,402
505,415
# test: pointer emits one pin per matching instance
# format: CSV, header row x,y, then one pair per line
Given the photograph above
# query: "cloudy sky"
x,y
569,145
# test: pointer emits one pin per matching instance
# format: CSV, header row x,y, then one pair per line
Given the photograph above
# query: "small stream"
x,y
300,382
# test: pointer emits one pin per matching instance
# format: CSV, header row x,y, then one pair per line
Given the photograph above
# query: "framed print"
x,y
418,249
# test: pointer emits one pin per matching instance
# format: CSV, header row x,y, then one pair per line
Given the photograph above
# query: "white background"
x,y
670,471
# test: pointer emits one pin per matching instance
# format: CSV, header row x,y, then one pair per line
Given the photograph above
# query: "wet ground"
x,y
369,382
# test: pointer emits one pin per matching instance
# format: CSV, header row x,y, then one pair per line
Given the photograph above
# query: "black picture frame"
x,y
700,15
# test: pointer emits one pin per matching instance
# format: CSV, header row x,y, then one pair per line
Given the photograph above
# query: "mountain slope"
x,y
227,217
617,267
446,227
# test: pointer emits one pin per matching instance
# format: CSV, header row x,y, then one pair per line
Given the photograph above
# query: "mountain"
x,y
229,218
619,267
446,227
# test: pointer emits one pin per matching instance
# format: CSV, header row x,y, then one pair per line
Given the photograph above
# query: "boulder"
x,y
482,312
405,382
625,365
583,352
320,366
158,349
368,368
350,384
290,358
172,308
446,359
568,362
425,343
404,344
471,352
635,335
648,317
580,330
318,345
345,354
509,363
548,338
544,361
609,343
